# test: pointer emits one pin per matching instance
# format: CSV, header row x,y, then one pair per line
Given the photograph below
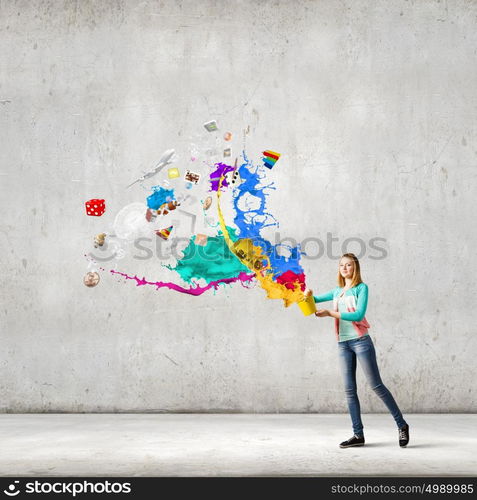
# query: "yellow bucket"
x,y
307,306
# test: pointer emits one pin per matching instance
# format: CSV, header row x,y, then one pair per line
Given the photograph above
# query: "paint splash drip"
x,y
193,290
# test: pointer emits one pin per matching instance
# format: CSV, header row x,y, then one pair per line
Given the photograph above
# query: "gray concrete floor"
x,y
232,445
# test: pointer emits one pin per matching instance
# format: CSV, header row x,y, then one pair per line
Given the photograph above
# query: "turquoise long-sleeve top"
x,y
360,293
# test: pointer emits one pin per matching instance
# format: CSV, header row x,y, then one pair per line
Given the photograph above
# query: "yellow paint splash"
x,y
252,256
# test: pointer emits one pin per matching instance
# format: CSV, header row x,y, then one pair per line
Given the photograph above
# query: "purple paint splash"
x,y
214,176
199,290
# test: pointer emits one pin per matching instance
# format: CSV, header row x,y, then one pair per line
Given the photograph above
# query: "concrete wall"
x,y
373,106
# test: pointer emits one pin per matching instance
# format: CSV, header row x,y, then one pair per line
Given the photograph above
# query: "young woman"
x,y
350,300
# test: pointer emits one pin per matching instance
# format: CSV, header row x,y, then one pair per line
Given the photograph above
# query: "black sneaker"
x,y
404,435
353,441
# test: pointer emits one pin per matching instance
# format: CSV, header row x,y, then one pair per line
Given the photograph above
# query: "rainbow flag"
x,y
270,158
164,233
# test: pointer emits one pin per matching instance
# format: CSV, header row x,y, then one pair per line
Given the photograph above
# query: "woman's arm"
x,y
324,297
361,305
326,312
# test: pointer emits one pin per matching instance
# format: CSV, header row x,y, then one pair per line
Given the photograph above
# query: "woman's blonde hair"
x,y
356,279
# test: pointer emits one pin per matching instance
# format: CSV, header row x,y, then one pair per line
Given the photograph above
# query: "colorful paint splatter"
x,y
234,248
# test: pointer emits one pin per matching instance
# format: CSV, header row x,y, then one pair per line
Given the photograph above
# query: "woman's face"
x,y
346,267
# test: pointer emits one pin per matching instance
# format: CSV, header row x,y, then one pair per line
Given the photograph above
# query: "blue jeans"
x,y
363,349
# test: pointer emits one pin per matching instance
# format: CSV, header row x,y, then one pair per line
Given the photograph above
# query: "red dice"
x,y
95,207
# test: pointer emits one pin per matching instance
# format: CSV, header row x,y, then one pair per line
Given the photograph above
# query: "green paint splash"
x,y
210,262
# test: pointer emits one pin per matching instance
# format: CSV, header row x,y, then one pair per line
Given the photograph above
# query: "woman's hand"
x,y
322,313
308,292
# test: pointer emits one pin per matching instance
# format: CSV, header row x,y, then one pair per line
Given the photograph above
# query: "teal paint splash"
x,y
159,196
211,262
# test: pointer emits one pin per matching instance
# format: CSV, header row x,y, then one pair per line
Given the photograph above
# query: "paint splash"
x,y
211,262
281,277
234,254
159,196
216,175
197,290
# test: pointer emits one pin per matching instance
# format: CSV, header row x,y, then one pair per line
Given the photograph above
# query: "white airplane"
x,y
165,159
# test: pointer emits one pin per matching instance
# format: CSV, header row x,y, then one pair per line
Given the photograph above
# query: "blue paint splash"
x,y
159,196
251,221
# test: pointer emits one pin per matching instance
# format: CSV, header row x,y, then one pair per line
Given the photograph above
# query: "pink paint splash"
x,y
199,290
289,278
